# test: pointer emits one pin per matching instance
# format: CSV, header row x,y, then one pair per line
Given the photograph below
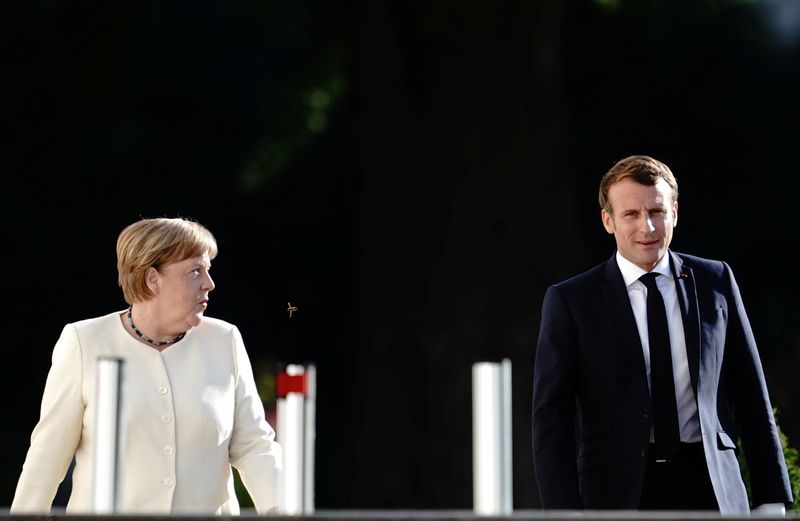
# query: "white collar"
x,y
631,272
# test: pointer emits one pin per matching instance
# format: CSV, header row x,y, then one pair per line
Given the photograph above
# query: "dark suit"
x,y
591,404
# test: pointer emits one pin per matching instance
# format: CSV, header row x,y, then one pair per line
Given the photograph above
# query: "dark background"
x,y
411,174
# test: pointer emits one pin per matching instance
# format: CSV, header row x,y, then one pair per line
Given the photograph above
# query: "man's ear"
x,y
608,221
675,214
153,279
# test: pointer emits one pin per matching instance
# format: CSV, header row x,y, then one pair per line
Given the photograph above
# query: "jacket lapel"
x,y
616,294
687,296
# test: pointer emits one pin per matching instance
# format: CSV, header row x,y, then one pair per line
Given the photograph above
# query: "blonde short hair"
x,y
155,243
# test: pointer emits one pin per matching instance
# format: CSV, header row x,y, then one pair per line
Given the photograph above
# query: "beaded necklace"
x,y
157,343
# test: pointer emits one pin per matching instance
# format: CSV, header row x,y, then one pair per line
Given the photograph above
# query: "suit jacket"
x,y
189,413
591,404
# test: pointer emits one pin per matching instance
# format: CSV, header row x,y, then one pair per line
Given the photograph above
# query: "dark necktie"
x,y
665,411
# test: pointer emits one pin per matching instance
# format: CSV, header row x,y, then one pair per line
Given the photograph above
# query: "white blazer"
x,y
189,413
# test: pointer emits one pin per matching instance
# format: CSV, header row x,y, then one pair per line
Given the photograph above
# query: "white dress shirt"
x,y
189,413
637,292
684,394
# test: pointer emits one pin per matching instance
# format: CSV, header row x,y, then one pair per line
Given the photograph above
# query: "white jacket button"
x,y
166,418
162,390
169,482
169,450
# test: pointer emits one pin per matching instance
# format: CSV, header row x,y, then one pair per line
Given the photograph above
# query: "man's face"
x,y
642,220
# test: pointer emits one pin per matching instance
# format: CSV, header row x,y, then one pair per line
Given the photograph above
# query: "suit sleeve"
x,y
253,449
58,431
554,390
769,480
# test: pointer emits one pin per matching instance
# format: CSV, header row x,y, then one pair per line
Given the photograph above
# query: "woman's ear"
x,y
153,278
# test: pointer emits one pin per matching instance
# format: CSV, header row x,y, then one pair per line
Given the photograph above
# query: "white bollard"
x,y
492,459
310,439
296,410
107,444
508,437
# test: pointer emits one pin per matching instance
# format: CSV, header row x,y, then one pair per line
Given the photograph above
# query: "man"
x,y
635,411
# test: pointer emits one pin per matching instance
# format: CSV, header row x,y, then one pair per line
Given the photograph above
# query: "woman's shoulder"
x,y
212,325
92,334
96,324
215,332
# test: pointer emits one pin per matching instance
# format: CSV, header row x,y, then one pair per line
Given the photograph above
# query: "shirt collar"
x,y
631,272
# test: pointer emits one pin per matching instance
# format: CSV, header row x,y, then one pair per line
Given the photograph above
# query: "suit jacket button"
x,y
643,453
646,413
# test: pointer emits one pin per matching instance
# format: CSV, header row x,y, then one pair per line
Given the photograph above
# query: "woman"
x,y
190,405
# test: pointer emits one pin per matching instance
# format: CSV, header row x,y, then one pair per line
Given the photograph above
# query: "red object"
x,y
291,384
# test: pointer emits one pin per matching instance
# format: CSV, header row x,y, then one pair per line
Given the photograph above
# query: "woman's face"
x,y
182,292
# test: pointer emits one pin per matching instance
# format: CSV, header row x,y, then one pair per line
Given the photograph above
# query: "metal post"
x,y
491,441
296,390
507,500
310,439
107,445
